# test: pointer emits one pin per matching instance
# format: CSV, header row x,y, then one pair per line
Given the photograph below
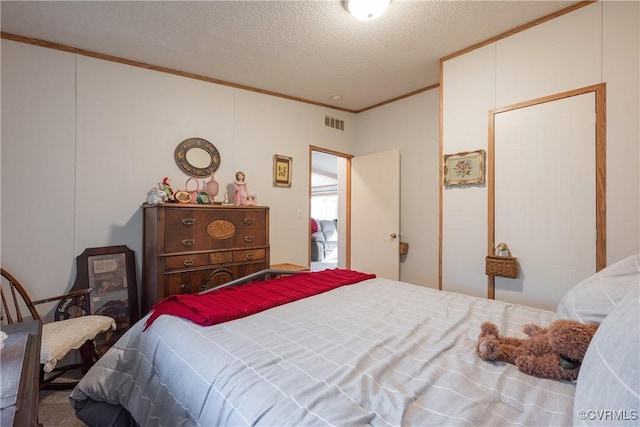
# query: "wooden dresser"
x,y
191,248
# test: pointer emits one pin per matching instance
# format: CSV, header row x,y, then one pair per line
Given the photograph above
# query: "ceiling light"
x,y
336,97
366,10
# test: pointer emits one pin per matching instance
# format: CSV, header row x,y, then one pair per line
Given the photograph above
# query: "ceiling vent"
x,y
332,122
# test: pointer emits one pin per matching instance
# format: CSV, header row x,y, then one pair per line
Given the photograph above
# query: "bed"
x,y
374,352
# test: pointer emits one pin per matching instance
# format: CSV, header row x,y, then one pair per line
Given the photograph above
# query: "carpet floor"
x,y
54,409
323,265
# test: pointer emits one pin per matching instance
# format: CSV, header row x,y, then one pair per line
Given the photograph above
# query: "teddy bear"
x,y
555,352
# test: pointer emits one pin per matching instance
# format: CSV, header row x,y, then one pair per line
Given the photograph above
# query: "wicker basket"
x,y
404,248
502,266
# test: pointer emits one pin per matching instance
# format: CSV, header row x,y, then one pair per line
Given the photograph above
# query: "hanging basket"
x,y
502,266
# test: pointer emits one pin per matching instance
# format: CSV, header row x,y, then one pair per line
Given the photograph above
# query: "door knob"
x,y
393,235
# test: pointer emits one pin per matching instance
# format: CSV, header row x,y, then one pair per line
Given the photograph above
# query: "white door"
x,y
545,195
375,214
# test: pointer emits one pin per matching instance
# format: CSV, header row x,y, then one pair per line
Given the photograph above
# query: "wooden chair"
x,y
59,337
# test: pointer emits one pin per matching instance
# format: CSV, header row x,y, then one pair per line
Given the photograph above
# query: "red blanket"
x,y
243,300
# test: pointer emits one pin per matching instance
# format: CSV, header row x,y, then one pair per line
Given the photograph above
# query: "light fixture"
x,y
366,10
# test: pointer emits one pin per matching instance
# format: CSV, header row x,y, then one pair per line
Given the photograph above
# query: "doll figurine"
x,y
241,190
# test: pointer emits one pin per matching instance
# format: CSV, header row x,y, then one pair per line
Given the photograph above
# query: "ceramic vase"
x,y
212,188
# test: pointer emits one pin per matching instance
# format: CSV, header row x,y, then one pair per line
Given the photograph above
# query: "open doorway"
x,y
328,220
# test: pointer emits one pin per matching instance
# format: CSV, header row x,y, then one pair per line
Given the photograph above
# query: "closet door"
x,y
545,197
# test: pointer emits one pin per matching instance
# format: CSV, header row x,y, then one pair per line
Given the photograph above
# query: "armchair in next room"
x,y
324,239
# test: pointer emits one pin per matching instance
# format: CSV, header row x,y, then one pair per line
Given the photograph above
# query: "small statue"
x,y
155,196
241,189
226,199
166,187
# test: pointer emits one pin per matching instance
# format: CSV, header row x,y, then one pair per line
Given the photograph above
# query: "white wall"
x,y
621,71
38,167
411,126
83,140
597,43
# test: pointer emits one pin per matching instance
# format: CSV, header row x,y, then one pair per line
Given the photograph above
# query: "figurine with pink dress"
x,y
241,189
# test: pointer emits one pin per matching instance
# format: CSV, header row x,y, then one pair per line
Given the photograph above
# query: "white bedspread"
x,y
378,352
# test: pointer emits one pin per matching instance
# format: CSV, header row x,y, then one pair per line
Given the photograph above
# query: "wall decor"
x,y
197,157
111,272
282,171
464,168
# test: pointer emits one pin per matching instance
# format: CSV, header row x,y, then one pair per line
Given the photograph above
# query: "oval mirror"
x,y
197,157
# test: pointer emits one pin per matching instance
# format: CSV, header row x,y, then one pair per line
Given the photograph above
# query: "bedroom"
x,y
103,119
108,131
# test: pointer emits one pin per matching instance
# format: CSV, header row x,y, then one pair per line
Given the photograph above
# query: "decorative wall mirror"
x,y
197,157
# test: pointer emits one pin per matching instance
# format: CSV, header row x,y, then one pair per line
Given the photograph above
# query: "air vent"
x,y
332,122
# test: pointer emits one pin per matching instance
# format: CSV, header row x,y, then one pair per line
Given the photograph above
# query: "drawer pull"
x,y
249,256
189,242
183,287
188,221
249,239
188,262
248,221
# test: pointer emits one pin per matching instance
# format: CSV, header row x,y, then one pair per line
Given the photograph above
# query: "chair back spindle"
x,y
19,300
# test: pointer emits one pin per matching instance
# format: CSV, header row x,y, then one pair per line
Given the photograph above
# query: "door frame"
x,y
601,175
347,204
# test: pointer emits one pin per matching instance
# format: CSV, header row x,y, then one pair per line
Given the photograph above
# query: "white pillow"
x,y
596,296
608,388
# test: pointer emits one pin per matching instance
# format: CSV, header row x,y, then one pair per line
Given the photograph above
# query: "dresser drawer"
x,y
220,257
200,260
246,238
243,218
248,255
199,219
192,230
186,261
200,280
243,238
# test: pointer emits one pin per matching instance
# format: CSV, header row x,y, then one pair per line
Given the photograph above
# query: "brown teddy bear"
x,y
555,352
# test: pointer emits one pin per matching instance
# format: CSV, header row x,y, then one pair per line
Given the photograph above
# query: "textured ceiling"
x,y
303,49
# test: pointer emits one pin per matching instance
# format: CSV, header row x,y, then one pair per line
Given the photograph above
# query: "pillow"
x,y
608,388
314,225
596,296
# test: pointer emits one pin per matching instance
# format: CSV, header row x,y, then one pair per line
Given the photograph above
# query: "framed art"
x,y
110,273
281,171
464,168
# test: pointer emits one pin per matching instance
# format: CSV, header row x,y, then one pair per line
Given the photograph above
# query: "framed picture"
x,y
281,171
110,272
464,168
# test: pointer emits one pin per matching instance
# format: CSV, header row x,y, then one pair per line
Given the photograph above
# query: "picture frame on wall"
x,y
282,171
464,168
